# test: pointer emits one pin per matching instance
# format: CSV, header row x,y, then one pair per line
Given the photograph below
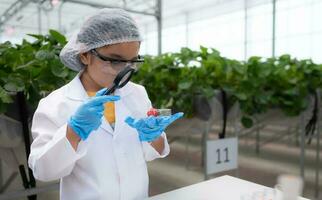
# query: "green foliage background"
x,y
258,84
32,67
171,79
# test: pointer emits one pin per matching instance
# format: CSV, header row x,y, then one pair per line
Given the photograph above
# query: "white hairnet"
x,y
108,26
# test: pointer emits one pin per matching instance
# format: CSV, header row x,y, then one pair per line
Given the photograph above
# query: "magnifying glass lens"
x,y
125,78
121,79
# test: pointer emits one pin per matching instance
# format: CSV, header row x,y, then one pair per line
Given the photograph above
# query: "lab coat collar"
x,y
76,91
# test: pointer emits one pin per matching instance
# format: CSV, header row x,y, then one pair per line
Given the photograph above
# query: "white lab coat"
x,y
109,164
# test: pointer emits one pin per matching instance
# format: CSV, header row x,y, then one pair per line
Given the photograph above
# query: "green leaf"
x,y
30,63
170,103
254,59
241,96
4,96
247,122
39,37
59,71
184,85
204,51
285,58
14,86
59,37
44,55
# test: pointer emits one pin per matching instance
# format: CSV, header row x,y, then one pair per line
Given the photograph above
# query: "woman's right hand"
x,y
87,117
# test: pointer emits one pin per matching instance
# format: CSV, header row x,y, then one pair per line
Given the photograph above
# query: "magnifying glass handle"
x,y
110,90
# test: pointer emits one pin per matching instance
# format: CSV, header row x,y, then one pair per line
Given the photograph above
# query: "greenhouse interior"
x,y
167,99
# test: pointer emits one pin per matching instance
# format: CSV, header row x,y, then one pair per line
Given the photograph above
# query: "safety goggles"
x,y
118,64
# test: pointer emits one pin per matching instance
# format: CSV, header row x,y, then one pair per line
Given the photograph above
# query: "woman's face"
x,y
103,72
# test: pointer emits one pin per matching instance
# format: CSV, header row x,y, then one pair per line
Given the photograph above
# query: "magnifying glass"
x,y
121,79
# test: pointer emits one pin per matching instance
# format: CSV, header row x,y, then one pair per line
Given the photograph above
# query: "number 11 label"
x,y
222,155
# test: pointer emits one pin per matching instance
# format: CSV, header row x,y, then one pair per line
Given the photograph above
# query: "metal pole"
x,y
257,141
237,132
317,166
187,28
13,9
39,18
257,145
159,20
273,28
1,176
302,143
59,16
26,136
204,152
48,20
98,5
245,31
8,182
146,38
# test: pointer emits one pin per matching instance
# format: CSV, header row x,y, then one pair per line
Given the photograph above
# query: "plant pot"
x,y
202,107
10,132
11,128
216,104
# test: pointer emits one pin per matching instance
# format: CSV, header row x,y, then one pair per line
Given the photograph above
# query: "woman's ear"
x,y
85,58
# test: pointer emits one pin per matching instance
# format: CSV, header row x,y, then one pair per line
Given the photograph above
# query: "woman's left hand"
x,y
151,128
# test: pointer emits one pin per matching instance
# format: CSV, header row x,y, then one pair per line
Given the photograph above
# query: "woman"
x,y
96,144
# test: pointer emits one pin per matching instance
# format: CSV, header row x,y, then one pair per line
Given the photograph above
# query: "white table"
x,y
221,188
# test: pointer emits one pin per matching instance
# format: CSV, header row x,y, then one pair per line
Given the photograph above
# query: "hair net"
x,y
108,26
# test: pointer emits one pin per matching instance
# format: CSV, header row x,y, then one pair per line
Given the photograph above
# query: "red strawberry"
x,y
153,112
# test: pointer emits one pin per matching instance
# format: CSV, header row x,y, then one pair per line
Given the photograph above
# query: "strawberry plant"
x,y
33,68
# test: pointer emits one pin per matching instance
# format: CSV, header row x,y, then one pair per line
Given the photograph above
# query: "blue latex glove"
x,y
88,116
151,128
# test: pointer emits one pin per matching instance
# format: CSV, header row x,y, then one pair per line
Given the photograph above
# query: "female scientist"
x,y
96,144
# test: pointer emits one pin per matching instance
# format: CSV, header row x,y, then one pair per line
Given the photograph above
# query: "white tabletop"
x,y
221,188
